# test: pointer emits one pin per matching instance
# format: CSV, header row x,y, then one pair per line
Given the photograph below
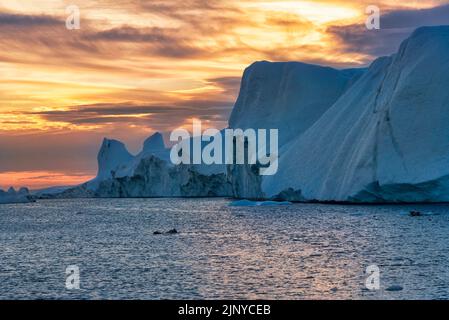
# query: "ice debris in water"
x,y
249,203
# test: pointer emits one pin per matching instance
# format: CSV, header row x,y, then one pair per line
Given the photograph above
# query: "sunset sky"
x,y
145,66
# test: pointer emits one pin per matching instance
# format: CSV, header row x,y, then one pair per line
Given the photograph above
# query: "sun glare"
x,y
320,13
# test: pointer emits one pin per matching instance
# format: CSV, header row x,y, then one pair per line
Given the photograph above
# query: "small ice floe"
x,y
172,231
249,203
394,288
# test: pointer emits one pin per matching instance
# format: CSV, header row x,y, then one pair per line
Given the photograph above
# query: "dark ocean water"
x,y
302,251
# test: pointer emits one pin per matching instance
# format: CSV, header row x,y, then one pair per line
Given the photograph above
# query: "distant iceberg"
x,y
149,174
13,196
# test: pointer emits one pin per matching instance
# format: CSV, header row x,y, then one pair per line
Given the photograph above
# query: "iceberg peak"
x,y
289,96
112,155
155,143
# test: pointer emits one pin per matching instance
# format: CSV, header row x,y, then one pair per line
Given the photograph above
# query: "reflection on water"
x,y
290,252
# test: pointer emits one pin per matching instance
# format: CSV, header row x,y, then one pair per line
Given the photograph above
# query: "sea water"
x,y
299,251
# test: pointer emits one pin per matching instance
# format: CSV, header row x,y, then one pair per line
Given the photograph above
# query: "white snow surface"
x,y
289,96
112,157
154,145
386,139
114,160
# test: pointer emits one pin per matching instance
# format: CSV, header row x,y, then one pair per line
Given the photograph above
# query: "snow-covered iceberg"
x,y
386,139
149,174
249,203
13,196
288,96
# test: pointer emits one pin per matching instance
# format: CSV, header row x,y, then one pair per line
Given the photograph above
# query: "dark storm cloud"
x,y
38,34
395,27
230,85
130,34
166,42
20,20
357,39
416,18
174,112
154,116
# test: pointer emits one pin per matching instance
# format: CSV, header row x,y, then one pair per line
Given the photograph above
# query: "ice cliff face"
x,y
149,174
154,145
289,97
13,196
112,157
386,139
154,177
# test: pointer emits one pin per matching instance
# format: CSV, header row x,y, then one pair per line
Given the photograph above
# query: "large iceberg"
x,y
385,140
288,96
360,135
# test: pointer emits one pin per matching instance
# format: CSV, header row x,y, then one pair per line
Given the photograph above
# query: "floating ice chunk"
x,y
274,203
249,203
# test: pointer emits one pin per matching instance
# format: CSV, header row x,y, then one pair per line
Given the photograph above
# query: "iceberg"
x,y
288,96
249,203
13,196
386,139
149,174
375,135
113,156
155,145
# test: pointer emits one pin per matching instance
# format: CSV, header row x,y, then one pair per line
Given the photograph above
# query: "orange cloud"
x,y
41,179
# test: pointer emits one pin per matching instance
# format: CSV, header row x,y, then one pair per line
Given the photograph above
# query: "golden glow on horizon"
x,y
40,179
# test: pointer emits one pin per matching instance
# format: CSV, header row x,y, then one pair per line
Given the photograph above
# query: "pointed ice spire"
x,y
154,144
112,154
